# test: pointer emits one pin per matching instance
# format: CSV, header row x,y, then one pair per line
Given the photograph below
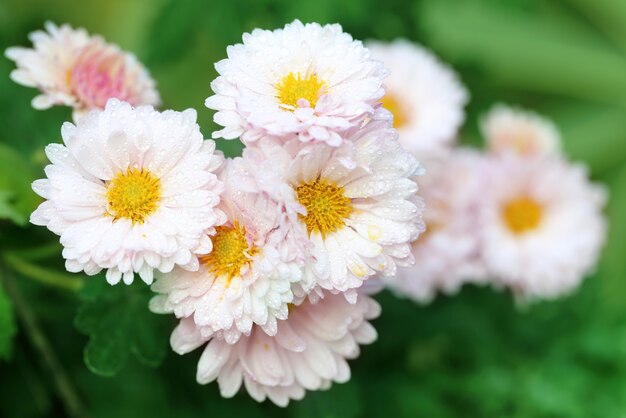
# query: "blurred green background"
x,y
473,355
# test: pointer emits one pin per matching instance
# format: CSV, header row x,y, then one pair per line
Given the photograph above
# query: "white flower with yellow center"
x,y
447,255
308,352
511,130
130,191
247,278
423,94
542,225
72,68
360,203
307,81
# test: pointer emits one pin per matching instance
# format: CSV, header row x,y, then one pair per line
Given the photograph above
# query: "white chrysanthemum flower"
x,y
308,352
447,255
542,225
424,95
71,68
247,278
307,81
511,130
131,190
362,210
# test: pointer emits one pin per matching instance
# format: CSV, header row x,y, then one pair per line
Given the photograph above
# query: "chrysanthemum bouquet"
x,y
263,257
269,260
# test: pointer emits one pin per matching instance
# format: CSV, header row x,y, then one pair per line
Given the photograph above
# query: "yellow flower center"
x,y
293,88
397,109
133,194
231,252
326,206
522,214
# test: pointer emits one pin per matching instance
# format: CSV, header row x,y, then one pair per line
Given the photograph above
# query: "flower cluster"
x,y
322,199
268,259
262,257
518,216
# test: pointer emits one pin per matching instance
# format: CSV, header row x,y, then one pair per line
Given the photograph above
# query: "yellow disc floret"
x,y
294,87
133,194
396,108
522,215
230,253
326,205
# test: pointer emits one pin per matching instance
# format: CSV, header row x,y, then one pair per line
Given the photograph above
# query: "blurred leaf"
x,y
7,211
585,127
608,15
32,396
8,327
175,25
17,200
118,322
613,264
525,52
229,148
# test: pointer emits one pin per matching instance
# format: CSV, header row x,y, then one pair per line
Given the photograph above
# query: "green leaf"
x,y
17,200
7,211
608,16
175,25
526,51
106,354
118,322
8,327
585,127
613,263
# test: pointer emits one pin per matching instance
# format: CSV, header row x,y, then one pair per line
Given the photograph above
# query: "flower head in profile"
x,y
246,279
131,190
448,254
72,68
542,225
308,352
304,81
424,95
358,201
510,130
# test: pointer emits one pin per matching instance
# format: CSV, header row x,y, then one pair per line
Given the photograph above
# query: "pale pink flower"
x,y
511,130
361,208
308,352
448,254
131,190
424,95
304,81
72,68
246,280
542,225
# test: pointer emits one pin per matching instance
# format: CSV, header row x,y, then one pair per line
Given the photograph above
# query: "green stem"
x,y
38,253
64,387
42,275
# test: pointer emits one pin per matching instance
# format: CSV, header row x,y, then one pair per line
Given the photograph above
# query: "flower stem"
x,y
38,253
42,275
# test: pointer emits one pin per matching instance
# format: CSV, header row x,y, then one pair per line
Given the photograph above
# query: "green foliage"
x,y
17,200
8,327
118,323
474,355
544,55
324,404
